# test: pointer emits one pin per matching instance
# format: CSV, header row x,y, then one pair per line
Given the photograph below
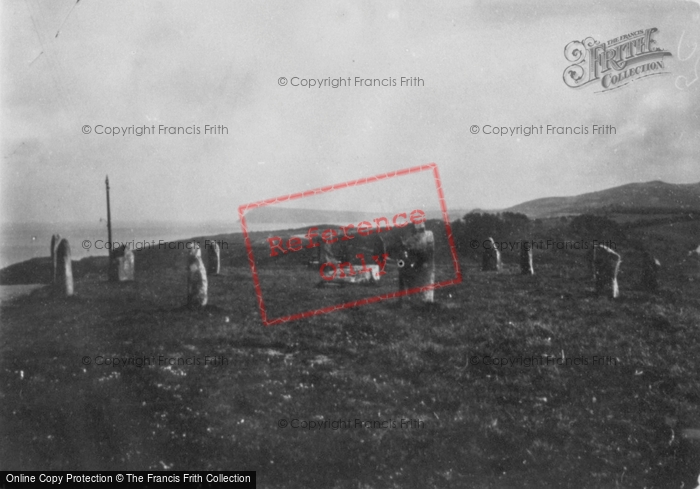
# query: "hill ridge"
x,y
654,194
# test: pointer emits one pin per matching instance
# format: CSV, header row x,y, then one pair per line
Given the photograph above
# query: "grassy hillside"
x,y
618,423
654,195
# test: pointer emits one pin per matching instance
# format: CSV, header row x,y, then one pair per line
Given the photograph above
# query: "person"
x,y
417,266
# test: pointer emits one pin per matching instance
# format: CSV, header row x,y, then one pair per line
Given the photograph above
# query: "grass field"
x,y
618,423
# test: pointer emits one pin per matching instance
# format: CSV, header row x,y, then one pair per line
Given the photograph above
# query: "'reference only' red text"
x,y
330,236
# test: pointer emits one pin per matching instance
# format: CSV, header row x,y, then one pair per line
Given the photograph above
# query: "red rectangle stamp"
x,y
354,243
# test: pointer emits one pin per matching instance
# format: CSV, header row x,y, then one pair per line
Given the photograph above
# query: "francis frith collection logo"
x,y
614,63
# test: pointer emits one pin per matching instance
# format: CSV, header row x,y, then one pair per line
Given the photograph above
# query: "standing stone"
x,y
491,259
650,272
121,264
196,278
417,262
64,270
526,267
607,265
55,239
128,265
213,258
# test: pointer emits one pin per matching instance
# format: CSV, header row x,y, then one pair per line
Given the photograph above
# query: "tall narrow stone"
x,y
526,267
650,272
196,278
213,257
55,239
607,265
491,259
128,265
122,264
64,271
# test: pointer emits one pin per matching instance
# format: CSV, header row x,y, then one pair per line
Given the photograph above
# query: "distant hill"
x,y
271,215
654,195
274,214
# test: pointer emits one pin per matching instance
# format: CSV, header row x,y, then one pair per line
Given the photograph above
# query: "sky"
x,y
67,65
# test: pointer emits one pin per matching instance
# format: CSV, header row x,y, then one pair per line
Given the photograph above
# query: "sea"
x,y
24,241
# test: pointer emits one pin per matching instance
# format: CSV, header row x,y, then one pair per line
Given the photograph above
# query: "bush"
x,y
505,226
591,227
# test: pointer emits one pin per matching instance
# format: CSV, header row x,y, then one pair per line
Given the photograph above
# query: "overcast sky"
x,y
176,63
